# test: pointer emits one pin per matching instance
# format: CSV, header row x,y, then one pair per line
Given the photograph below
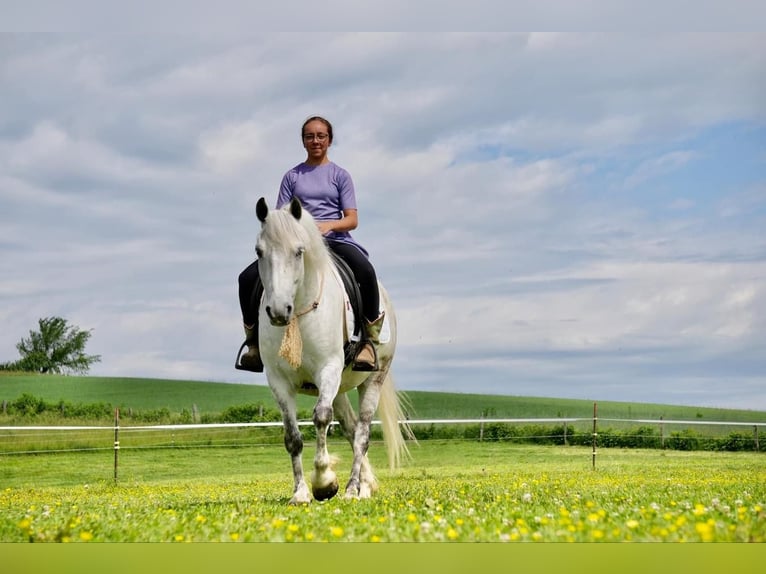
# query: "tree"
x,y
57,347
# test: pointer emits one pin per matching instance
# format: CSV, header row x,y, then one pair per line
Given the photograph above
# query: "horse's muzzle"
x,y
279,319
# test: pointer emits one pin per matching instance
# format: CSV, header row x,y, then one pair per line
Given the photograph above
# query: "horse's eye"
x,y
258,251
299,252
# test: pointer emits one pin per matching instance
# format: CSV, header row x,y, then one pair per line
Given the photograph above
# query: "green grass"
x,y
209,397
137,394
234,484
489,492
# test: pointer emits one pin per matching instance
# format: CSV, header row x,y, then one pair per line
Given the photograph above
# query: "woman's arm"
x,y
285,191
348,222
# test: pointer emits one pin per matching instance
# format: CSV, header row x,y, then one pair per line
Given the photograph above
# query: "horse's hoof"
x,y
325,492
352,490
351,494
301,496
365,491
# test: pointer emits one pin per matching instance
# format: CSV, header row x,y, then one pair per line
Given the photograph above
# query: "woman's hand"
x,y
325,227
348,222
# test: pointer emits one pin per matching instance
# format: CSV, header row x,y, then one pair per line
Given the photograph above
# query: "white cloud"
x,y
608,306
497,177
230,147
658,166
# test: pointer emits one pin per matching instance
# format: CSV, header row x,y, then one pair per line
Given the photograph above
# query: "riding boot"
x,y
251,360
367,356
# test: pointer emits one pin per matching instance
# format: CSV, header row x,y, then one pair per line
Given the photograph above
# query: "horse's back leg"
x,y
293,441
369,395
362,482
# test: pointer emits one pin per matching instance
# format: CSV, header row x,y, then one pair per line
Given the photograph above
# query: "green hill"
x,y
211,397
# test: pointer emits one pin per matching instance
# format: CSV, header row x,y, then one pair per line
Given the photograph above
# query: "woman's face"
x,y
316,140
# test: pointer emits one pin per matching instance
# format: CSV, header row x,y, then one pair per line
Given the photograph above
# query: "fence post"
x,y
595,433
565,435
481,429
662,433
116,441
755,432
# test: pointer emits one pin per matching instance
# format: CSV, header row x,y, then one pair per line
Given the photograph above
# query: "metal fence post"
x,y
595,433
116,441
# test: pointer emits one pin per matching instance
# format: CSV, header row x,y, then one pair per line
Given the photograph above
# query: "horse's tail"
x,y
395,428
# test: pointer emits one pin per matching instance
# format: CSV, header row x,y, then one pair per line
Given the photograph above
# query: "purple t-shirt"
x,y
325,191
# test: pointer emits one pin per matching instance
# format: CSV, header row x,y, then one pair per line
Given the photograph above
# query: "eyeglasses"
x,y
317,137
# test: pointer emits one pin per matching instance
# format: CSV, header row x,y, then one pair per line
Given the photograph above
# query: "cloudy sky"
x,y
563,215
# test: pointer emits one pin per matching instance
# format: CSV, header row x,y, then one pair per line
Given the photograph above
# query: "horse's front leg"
x,y
293,441
324,481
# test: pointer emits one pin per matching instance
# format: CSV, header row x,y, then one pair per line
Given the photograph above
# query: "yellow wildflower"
x,y
705,530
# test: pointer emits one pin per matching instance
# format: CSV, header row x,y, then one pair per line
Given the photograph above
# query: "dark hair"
x,y
327,124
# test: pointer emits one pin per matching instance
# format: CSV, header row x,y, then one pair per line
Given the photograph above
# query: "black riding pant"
x,y
363,271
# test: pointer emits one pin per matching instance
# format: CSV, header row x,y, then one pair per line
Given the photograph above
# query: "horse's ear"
x,y
261,210
295,208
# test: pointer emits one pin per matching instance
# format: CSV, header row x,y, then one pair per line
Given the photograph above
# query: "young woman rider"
x,y
326,190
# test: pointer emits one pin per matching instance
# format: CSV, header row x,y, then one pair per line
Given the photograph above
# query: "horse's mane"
x,y
281,228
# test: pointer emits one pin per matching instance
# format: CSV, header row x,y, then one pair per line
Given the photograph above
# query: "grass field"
x,y
449,491
236,488
210,397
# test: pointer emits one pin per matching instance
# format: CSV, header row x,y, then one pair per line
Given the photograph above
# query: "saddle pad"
x,y
385,330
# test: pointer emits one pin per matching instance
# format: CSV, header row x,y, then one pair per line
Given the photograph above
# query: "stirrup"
x,y
253,368
366,367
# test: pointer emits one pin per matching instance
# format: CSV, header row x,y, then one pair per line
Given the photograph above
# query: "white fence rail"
x,y
482,422
478,421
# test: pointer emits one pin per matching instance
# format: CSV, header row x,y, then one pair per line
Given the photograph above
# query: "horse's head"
x,y
280,248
